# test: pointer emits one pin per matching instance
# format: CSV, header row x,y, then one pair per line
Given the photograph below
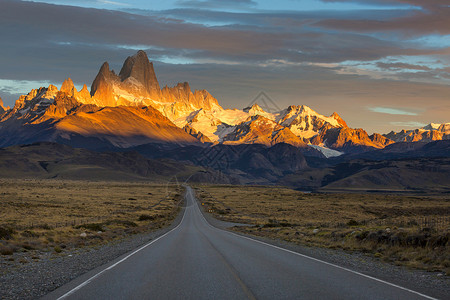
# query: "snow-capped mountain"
x,y
305,122
130,109
428,133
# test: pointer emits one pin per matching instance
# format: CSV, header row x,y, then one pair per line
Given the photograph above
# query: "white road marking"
x,y
318,260
244,237
115,264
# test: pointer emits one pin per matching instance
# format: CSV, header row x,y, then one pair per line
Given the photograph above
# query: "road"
x,y
198,261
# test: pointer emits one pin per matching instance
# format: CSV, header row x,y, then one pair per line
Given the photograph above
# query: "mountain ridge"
x,y
131,108
428,133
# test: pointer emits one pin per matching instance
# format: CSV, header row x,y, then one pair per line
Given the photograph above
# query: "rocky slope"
x,y
250,163
2,108
130,108
137,84
56,116
50,160
431,132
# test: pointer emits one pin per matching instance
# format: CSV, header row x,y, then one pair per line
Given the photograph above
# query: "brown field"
x,y
405,230
54,215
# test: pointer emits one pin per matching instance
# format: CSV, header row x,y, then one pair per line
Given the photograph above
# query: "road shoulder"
x,y
36,279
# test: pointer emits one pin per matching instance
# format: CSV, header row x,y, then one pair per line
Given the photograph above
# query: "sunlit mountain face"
x,y
383,65
131,109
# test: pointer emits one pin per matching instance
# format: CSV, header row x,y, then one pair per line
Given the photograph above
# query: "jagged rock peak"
x,y
141,69
254,108
2,108
305,108
104,70
84,89
432,126
68,87
52,88
103,75
184,86
339,119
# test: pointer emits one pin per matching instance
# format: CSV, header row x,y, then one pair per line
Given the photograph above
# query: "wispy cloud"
x,y
113,3
215,3
434,19
402,66
412,124
392,111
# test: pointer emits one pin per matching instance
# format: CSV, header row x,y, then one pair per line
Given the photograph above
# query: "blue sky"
x,y
380,64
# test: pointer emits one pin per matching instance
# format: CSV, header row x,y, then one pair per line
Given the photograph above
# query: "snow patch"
x,y
327,151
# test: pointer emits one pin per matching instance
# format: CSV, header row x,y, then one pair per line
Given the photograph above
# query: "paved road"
x,y
198,261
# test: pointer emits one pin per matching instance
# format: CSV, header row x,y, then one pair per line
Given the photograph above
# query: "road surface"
x,y
198,261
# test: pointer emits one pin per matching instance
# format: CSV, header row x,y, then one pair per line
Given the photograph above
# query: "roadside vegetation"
x,y
409,230
59,215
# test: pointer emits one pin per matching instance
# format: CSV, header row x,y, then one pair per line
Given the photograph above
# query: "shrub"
x,y
144,217
91,226
57,249
361,236
6,250
29,233
125,223
6,233
353,223
45,226
128,223
28,246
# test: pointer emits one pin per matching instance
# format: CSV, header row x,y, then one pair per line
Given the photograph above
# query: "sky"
x,y
382,65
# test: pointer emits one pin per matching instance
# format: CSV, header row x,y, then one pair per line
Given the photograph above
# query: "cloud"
x,y
399,66
435,19
216,3
23,27
392,111
430,4
113,3
412,124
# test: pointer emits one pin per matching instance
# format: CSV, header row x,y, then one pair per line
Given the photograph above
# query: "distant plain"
x,y
54,215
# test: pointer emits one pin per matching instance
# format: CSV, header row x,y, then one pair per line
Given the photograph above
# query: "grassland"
x,y
405,230
55,215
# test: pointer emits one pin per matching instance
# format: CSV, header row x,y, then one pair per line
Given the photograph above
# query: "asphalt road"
x,y
198,261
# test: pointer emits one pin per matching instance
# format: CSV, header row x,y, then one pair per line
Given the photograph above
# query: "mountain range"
x,y
130,109
136,128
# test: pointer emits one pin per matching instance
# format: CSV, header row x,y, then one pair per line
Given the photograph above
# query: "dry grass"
x,y
406,230
55,215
